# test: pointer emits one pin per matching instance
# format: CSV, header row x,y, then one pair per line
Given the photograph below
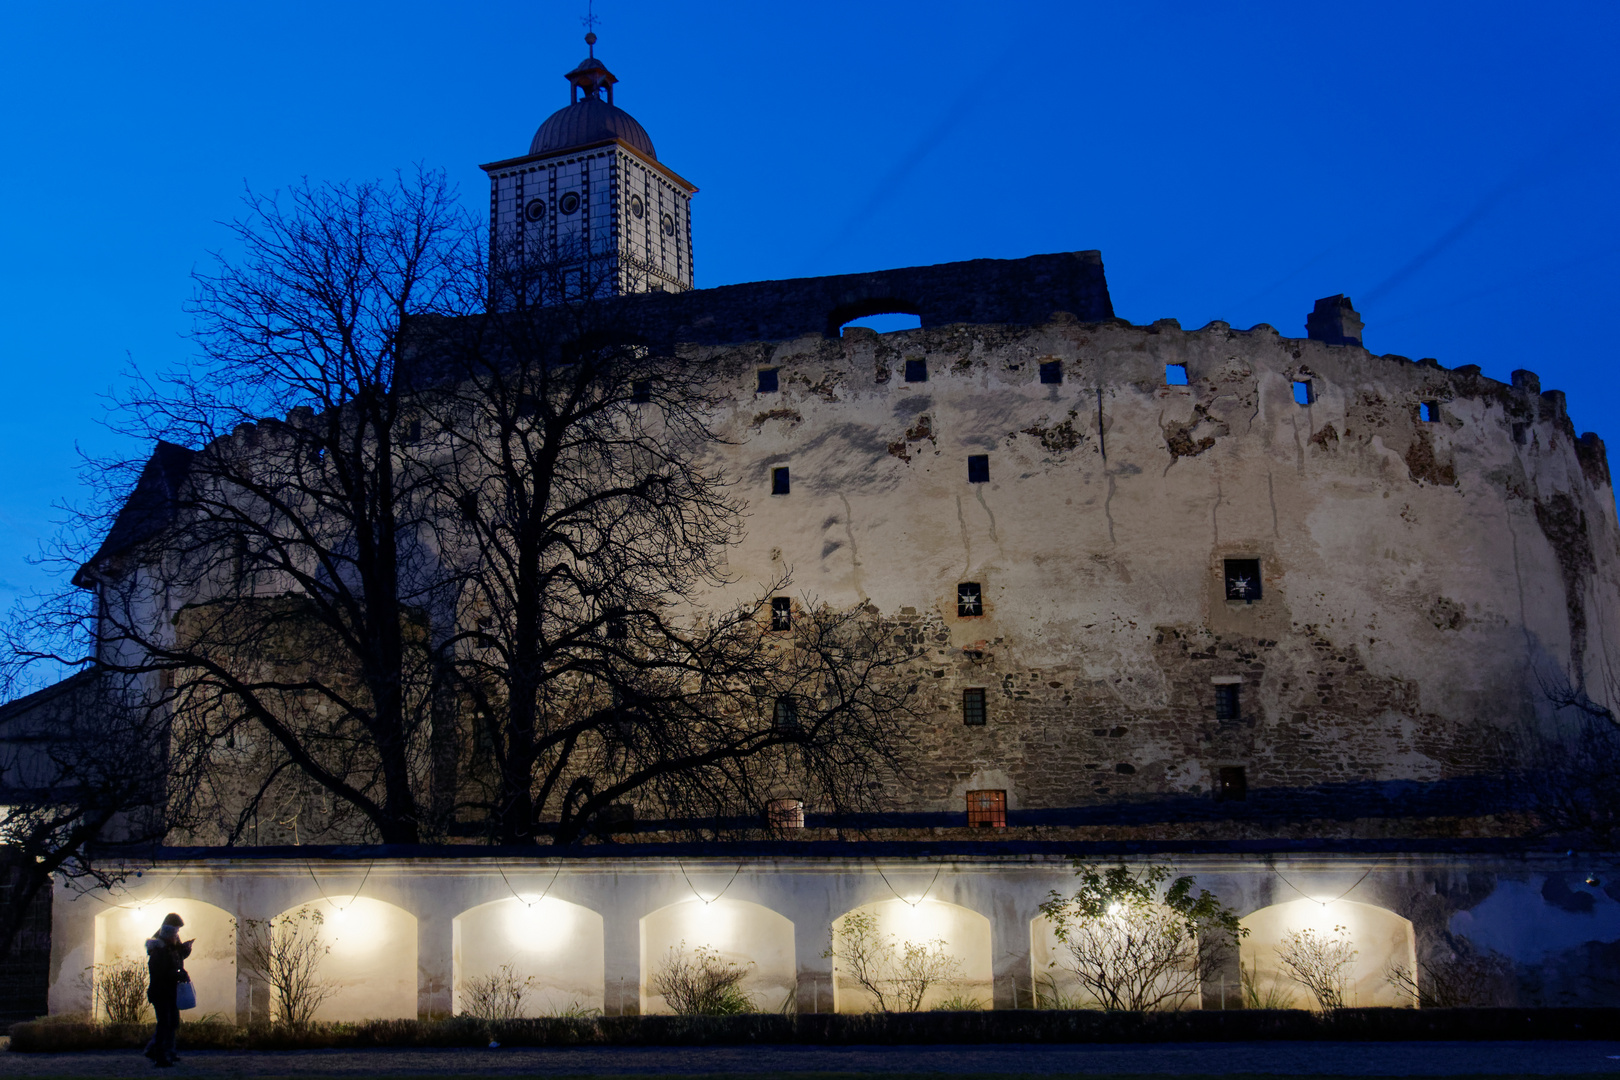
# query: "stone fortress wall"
x,y
1434,547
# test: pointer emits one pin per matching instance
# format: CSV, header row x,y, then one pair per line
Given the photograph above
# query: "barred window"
x,y
1052,372
767,380
781,613
1243,579
973,706
987,809
916,371
785,813
780,481
1227,699
613,626
969,602
978,468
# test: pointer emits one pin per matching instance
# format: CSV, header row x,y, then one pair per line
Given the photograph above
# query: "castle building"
x,y
1268,609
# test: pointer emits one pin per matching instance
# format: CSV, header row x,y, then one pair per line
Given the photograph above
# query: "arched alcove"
x,y
557,946
121,934
370,962
1381,939
1059,986
965,935
740,932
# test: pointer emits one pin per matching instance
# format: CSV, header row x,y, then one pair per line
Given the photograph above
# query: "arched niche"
x,y
1381,938
557,945
1057,986
964,932
121,934
370,961
742,933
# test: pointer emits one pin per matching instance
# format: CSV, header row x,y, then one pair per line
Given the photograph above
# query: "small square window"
x,y
1052,372
969,602
641,391
767,380
785,813
1429,411
781,613
779,480
916,371
1304,392
1243,579
978,468
973,707
1175,374
1228,701
1232,785
785,716
987,809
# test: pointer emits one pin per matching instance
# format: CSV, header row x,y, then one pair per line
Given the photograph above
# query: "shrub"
x,y
1272,996
120,992
1318,962
497,996
1457,980
700,983
896,973
1132,947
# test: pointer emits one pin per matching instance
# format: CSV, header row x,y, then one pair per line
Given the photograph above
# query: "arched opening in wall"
x,y
900,957
691,944
120,947
1340,947
885,315
534,956
1136,958
367,970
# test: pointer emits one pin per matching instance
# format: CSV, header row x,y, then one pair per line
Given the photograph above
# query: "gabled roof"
x,y
149,509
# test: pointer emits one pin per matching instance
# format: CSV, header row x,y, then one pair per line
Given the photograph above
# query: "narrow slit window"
x,y
1243,579
969,600
641,391
1228,701
1052,372
1429,411
1175,374
767,380
1304,392
781,613
1232,785
973,707
785,813
978,468
916,371
779,480
987,809
785,716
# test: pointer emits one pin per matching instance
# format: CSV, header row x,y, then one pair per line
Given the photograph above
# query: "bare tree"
x,y
1320,962
498,995
286,953
1133,944
897,974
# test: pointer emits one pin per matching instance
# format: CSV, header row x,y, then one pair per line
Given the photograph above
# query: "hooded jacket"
x,y
165,966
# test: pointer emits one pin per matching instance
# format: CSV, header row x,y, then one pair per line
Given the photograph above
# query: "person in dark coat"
x,y
166,970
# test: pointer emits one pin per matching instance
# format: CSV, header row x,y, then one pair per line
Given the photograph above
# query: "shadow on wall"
x,y
553,949
734,932
1356,945
902,939
121,934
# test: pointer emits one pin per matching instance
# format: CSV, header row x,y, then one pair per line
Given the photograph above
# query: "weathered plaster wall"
x,y
1422,579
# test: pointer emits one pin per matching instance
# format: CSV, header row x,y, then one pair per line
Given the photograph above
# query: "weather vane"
x,y
590,20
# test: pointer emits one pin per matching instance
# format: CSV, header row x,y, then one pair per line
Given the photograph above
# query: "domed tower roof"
x,y
587,119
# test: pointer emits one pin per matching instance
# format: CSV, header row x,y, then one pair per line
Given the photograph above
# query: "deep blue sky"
x,y
1450,166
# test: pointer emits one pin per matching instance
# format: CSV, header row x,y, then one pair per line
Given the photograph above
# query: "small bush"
x,y
960,1003
700,983
498,996
1319,963
120,992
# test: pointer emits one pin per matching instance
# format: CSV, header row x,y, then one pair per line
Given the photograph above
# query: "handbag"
x,y
185,995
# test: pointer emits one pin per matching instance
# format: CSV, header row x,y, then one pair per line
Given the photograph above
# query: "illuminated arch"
x,y
966,935
559,945
1381,938
370,960
741,932
1057,987
121,934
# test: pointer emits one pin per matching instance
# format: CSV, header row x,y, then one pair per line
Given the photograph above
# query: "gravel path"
x,y
1337,1059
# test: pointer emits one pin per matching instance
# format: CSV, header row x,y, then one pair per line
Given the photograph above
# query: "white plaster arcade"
x,y
405,932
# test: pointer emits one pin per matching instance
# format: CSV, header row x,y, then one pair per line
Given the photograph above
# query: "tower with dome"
x,y
589,210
